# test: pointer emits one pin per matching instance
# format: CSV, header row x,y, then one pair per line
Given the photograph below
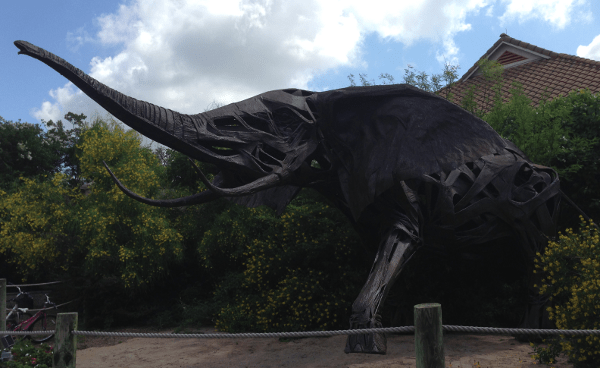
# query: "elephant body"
x,y
410,170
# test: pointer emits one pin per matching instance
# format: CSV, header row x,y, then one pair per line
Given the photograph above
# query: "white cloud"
x,y
591,51
48,111
185,54
556,12
78,38
52,111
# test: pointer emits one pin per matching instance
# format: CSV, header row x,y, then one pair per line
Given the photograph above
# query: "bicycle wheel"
x,y
38,325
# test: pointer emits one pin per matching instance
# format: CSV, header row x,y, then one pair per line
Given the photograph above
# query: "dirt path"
x,y
460,350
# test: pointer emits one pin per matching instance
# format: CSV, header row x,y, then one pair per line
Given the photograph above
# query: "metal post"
x,y
65,346
2,305
429,341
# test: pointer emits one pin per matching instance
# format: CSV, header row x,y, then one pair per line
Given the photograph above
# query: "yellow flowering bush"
x,y
572,269
46,226
32,225
133,239
298,272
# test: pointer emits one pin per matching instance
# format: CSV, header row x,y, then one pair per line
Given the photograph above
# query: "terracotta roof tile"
x,y
561,73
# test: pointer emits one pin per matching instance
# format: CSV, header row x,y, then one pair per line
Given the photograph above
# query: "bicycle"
x,y
19,319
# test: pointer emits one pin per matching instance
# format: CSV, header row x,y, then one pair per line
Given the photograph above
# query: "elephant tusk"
x,y
263,183
199,198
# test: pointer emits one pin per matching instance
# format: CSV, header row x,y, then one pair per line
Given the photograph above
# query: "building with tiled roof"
x,y
534,67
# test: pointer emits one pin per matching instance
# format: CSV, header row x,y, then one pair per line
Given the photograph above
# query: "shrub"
x,y
298,272
25,355
573,281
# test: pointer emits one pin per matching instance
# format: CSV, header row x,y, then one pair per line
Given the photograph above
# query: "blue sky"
x,y
184,55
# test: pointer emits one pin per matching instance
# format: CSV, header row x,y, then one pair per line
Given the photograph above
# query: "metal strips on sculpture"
x,y
408,168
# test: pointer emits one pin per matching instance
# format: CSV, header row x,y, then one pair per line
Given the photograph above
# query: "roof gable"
x,y
509,56
536,68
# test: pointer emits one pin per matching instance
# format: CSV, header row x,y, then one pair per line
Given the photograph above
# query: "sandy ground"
x,y
460,350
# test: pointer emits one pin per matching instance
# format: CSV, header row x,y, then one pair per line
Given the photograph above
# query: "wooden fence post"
x,y
65,346
429,340
2,305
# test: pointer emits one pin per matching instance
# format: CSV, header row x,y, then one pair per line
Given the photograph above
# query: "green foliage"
x,y
450,75
365,82
578,160
561,133
581,116
70,156
538,132
571,267
492,75
180,173
26,354
557,134
420,80
27,151
48,225
123,237
298,272
31,221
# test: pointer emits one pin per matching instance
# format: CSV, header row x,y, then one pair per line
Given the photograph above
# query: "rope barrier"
x,y
451,328
486,330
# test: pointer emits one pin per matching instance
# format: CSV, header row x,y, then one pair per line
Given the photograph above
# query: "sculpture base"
x,y
367,344
374,343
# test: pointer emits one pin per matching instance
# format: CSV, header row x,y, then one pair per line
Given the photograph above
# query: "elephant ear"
x,y
382,135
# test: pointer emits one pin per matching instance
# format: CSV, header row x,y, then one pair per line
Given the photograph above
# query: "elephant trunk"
x,y
162,125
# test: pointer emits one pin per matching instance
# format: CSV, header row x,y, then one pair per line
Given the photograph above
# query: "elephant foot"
x,y
374,343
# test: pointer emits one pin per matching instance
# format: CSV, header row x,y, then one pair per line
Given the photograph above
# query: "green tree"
x,y
420,80
492,85
578,159
132,238
26,150
538,132
112,235
30,229
70,158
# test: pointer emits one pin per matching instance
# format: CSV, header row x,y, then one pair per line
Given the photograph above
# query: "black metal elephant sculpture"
x,y
408,168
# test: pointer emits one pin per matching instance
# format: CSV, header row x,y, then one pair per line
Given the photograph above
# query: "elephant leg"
x,y
395,249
